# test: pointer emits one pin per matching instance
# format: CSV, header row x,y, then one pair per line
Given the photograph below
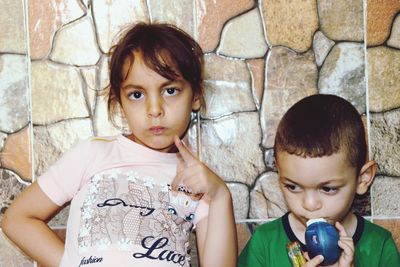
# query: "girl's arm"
x,y
25,224
216,234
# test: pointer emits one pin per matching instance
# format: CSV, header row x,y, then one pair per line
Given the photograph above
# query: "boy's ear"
x,y
196,102
366,177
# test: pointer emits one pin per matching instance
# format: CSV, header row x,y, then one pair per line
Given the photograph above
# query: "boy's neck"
x,y
299,229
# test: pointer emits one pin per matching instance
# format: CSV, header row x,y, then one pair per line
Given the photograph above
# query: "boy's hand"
x,y
346,258
196,176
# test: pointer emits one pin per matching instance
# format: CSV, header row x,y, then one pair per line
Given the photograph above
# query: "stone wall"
x,y
260,58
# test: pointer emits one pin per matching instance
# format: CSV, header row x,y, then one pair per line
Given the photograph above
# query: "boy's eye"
x,y
135,95
329,190
293,187
171,91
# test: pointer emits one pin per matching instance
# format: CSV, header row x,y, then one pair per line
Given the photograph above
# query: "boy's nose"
x,y
154,107
311,201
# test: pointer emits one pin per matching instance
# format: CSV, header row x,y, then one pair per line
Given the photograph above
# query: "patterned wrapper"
x,y
295,254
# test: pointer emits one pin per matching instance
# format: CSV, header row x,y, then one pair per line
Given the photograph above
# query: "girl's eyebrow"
x,y
135,86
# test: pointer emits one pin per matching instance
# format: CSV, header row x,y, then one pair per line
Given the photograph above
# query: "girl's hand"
x,y
346,258
196,176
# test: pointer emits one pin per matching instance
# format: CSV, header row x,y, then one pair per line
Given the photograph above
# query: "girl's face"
x,y
317,187
155,108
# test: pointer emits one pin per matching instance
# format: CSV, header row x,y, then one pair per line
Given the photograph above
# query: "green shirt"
x,y
375,246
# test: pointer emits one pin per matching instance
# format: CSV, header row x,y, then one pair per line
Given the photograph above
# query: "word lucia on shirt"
x,y
126,211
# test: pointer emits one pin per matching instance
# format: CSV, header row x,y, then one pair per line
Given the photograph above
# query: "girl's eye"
x,y
135,95
329,190
293,188
171,91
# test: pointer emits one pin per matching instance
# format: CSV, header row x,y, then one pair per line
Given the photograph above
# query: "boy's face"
x,y
317,187
155,108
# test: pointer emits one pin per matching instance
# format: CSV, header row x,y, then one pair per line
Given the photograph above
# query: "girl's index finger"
x,y
185,153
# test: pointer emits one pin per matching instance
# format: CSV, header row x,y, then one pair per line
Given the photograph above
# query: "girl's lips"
x,y
157,130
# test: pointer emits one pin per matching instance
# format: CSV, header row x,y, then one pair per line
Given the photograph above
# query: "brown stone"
x,y
12,33
211,16
380,14
243,234
257,70
45,18
290,77
290,23
383,78
342,19
16,154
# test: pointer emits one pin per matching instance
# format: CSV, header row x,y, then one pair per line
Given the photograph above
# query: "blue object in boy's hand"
x,y
322,239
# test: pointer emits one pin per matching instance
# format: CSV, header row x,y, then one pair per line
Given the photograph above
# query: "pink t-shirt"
x,y
122,211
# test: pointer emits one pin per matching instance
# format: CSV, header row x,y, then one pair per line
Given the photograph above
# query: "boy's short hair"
x,y
321,125
165,48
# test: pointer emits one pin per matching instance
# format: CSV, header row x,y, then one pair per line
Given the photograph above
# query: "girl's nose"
x,y
311,201
154,107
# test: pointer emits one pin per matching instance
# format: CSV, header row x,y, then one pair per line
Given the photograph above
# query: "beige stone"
x,y
75,44
56,93
227,87
342,19
14,99
256,67
386,196
241,41
212,15
231,147
240,196
290,23
266,199
52,141
321,45
343,74
10,255
16,155
179,13
379,19
394,39
45,18
290,77
385,141
383,78
12,24
102,125
112,17
90,87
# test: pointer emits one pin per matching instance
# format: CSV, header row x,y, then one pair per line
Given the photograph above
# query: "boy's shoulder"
x,y
374,231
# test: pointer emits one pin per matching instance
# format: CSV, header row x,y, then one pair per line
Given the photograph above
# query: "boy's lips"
x,y
157,130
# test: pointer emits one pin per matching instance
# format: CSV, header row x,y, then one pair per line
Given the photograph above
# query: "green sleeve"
x,y
253,255
390,254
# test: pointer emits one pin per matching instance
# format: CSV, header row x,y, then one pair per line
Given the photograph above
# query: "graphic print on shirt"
x,y
123,210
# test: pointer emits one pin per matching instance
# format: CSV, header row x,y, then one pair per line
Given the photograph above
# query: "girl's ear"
x,y
366,176
196,102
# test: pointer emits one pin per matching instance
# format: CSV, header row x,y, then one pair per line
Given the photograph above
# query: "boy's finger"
x,y
186,155
342,231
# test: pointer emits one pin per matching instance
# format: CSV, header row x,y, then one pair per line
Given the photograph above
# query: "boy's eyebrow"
x,y
323,183
135,86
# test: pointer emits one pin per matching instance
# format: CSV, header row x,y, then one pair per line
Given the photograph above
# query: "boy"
x,y
320,154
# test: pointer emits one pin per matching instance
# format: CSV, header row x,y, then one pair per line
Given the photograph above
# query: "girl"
x,y
134,198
